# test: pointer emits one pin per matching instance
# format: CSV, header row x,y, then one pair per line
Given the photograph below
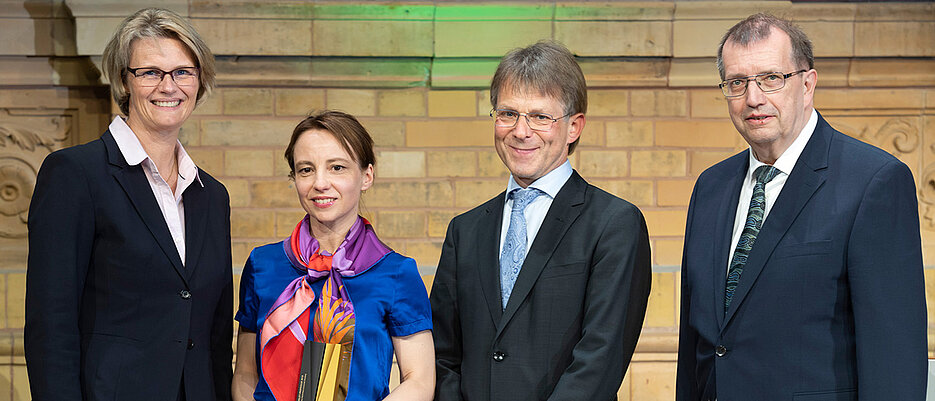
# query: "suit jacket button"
x,y
499,356
190,344
185,294
720,350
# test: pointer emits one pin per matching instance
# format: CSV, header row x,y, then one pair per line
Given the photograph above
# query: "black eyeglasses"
x,y
185,76
506,118
767,81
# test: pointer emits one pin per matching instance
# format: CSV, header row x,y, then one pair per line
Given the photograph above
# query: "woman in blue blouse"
x,y
332,282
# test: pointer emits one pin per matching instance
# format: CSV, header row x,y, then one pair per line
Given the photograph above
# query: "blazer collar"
x,y
806,177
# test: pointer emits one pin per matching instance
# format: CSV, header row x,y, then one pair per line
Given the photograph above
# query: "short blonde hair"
x,y
154,23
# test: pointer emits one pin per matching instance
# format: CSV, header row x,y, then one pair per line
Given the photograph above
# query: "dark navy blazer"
x,y
111,311
831,303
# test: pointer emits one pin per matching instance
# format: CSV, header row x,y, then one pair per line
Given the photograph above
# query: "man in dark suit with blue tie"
x,y
802,265
541,291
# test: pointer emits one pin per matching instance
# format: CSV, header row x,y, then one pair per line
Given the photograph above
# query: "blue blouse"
x,y
390,300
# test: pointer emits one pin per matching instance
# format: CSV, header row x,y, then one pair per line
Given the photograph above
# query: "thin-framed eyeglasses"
x,y
506,118
184,76
767,81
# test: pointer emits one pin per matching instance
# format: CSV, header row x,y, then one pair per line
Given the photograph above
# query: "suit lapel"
x,y
196,204
798,189
134,183
487,231
725,228
562,213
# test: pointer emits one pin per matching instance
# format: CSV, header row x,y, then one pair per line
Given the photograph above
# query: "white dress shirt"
x,y
535,212
784,164
173,210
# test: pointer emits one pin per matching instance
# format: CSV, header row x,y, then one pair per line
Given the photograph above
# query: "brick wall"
x,y
415,74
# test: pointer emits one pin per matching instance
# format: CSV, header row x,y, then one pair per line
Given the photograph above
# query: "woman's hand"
x,y
245,374
415,355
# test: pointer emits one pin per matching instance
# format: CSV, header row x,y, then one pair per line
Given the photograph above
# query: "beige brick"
x,y
190,133
731,10
667,252
239,191
653,381
930,99
593,134
4,314
15,300
709,103
405,224
879,72
660,310
930,294
701,160
452,103
240,251
210,160
248,101
698,38
869,99
278,193
674,192
298,101
472,193
617,38
806,12
256,37
664,103
427,280
211,105
695,72
386,133
657,163
629,133
449,133
483,103
665,222
281,168
372,38
248,163
894,39
623,393
451,163
895,11
246,132
92,34
426,253
409,194
834,39
626,72
486,38
610,102
438,222
401,164
603,163
286,221
639,193
832,72
490,165
358,102
20,383
401,102
252,223
702,134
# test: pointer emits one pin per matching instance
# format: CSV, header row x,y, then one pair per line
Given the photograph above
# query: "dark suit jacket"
x,y
572,321
111,312
831,302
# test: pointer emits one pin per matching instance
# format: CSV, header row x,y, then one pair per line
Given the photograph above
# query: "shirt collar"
x,y
550,183
790,156
132,150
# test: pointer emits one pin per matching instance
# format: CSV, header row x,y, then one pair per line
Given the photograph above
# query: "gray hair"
x,y
758,27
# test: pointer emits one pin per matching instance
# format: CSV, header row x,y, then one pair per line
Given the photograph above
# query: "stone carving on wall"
x,y
25,139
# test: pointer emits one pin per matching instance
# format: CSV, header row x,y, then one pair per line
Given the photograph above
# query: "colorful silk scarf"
x,y
285,330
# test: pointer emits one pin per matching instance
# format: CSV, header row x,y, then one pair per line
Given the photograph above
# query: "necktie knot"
x,y
765,173
523,197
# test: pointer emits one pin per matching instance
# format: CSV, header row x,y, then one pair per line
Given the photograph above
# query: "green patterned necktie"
x,y
751,228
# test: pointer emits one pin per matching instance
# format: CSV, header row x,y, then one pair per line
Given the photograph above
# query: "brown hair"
x,y
758,27
546,67
352,136
154,23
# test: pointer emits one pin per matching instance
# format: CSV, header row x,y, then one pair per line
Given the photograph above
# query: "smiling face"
x,y
530,154
160,109
329,181
769,122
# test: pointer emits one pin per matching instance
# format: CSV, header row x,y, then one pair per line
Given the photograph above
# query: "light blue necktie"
x,y
514,246
751,229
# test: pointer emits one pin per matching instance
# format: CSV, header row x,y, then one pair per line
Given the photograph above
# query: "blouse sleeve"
x,y
249,301
411,312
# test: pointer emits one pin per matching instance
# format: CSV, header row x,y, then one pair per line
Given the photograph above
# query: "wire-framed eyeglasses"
x,y
185,76
506,118
767,81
